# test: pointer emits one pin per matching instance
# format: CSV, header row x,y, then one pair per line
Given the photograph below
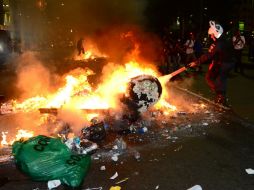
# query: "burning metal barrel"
x,y
142,92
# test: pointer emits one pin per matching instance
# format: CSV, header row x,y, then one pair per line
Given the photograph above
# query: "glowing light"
x,y
21,134
4,142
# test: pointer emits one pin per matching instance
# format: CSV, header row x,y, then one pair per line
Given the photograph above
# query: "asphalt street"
x,y
211,147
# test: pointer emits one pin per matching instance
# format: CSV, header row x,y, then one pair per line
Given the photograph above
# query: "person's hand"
x,y
192,64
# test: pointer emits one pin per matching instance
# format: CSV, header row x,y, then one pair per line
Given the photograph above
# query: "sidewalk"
x,y
240,88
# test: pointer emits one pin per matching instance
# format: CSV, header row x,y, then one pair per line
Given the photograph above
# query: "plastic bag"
x,y
44,158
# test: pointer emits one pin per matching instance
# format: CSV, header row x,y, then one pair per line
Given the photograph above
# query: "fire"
x,y
4,142
78,93
91,52
164,104
21,134
87,55
90,116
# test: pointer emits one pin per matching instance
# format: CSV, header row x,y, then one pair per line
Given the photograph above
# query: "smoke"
x,y
177,97
88,16
62,23
54,20
128,42
33,78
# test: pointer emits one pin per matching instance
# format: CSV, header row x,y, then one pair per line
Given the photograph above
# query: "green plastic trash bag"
x,y
44,158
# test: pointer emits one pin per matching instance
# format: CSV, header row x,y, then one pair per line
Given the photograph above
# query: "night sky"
x,y
161,12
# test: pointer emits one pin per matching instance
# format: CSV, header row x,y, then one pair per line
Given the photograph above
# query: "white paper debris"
x,y
103,168
114,176
157,187
137,155
115,157
249,171
94,188
196,187
53,183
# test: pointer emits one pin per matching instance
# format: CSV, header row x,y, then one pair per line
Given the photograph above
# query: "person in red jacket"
x,y
220,55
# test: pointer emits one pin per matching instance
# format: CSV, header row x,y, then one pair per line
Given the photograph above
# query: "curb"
x,y
232,116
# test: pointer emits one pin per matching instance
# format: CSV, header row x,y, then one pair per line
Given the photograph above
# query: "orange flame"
x,y
21,134
4,141
91,52
78,94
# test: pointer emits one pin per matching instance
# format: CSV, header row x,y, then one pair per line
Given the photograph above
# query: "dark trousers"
x,y
238,63
217,75
81,51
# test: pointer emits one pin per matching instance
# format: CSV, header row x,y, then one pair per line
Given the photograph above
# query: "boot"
x,y
221,99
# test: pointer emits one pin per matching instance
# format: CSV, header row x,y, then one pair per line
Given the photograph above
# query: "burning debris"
x,y
128,109
143,91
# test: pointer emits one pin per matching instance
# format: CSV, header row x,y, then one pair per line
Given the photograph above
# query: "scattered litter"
x,y
114,176
154,160
103,168
120,145
121,181
88,146
53,184
81,147
142,130
157,187
94,188
137,155
205,124
115,157
95,132
196,187
249,171
169,137
178,148
115,188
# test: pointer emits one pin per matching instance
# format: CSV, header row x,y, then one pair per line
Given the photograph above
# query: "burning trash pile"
x,y
132,101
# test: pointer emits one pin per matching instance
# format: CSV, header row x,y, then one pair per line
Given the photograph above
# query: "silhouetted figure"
x,y
251,48
189,46
198,50
80,46
238,43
